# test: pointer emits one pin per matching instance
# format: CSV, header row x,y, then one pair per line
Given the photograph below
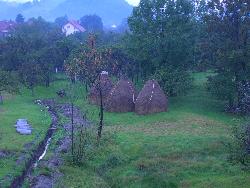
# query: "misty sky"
x,y
132,2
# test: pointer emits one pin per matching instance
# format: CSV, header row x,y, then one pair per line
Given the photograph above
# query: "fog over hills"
x,y
111,11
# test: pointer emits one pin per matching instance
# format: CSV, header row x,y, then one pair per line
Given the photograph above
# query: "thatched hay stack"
x,y
106,86
121,97
151,99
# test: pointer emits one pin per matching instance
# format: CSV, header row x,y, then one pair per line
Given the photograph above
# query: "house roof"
x,y
77,25
5,26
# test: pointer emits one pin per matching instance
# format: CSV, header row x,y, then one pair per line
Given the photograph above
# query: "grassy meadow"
x,y
183,147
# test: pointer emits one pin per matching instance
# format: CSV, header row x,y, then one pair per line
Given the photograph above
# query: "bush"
x,y
237,94
84,145
240,148
222,88
174,82
244,103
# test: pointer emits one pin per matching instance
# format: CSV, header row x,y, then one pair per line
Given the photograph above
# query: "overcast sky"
x,y
132,2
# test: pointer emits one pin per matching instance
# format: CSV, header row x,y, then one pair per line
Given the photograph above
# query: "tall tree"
x,y
92,23
228,25
19,19
31,75
61,21
163,39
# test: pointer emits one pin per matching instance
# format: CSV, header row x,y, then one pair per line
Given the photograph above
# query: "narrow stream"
x,y
39,153
44,153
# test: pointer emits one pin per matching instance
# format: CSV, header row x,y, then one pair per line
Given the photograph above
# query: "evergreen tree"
x,y
19,19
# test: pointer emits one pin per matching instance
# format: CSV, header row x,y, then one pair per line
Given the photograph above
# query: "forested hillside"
x,y
111,11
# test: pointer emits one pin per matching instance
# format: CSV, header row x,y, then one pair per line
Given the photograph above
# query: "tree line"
x,y
165,39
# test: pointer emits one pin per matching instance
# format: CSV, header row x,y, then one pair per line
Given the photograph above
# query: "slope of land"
x,y
111,11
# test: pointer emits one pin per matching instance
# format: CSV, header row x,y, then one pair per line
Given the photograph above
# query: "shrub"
x,y
240,148
174,81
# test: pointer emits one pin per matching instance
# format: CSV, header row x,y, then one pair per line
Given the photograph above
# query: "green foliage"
x,y
222,87
228,49
92,23
61,21
173,81
240,148
19,19
163,39
85,143
8,83
31,75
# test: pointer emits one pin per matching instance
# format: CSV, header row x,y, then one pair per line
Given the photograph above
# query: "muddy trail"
x,y
37,161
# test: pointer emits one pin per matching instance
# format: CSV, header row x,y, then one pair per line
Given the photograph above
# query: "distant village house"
x,y
72,27
6,27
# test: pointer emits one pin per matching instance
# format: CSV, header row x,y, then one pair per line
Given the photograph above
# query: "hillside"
x,y
111,11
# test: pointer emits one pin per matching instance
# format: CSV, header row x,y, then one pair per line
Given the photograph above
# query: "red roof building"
x,y
6,27
72,27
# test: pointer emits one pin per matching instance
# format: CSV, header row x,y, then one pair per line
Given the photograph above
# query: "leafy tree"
x,y
31,75
40,41
26,39
19,19
174,82
229,48
87,64
163,39
61,21
8,83
92,23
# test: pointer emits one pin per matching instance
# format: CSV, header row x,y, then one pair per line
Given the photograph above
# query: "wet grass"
x,y
18,107
183,147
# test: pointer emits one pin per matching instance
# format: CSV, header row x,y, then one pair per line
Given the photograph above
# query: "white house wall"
x,y
69,29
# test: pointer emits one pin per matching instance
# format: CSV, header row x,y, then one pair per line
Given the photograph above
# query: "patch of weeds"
x,y
45,171
62,119
26,184
112,161
153,173
155,180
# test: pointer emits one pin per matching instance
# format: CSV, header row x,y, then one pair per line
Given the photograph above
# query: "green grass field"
x,y
179,148
16,107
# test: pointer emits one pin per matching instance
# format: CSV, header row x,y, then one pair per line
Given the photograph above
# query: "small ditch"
x,y
41,150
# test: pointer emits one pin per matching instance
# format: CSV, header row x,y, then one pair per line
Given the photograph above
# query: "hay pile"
x,y
106,86
151,99
121,97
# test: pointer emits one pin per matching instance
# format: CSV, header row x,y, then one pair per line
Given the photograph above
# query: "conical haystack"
x,y
106,86
121,97
151,99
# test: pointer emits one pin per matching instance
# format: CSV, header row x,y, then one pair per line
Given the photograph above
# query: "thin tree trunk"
x,y
101,111
86,87
72,129
1,98
48,81
32,91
